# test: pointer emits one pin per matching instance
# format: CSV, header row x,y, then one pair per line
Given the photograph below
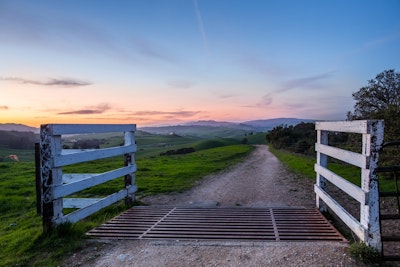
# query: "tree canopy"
x,y
299,138
380,99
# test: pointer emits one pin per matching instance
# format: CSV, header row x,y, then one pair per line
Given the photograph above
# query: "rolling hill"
x,y
210,128
202,129
17,127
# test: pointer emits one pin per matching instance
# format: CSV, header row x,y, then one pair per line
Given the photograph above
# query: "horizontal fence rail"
x,y
368,227
57,186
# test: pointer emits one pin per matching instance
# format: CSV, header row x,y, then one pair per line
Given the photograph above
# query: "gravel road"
x,y
259,181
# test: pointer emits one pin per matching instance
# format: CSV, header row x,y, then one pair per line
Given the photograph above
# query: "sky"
x,y
162,62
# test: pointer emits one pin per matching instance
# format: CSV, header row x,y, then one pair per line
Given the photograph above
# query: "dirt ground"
x,y
259,181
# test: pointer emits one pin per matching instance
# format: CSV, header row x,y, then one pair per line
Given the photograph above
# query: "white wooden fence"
x,y
55,185
372,131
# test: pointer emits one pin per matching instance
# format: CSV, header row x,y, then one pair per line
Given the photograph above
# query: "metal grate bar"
x,y
236,223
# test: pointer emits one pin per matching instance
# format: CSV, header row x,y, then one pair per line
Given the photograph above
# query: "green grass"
x,y
216,142
295,162
304,165
364,253
179,172
23,155
18,222
22,242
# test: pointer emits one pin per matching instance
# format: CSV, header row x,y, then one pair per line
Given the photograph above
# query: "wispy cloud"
x,y
166,113
384,40
225,96
377,43
51,82
21,25
261,66
264,102
3,107
201,26
308,82
296,106
99,109
181,84
66,34
151,49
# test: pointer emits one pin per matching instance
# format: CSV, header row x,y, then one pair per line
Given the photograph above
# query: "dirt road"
x,y
259,181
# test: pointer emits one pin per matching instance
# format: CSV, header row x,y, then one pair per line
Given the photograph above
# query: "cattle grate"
x,y
219,223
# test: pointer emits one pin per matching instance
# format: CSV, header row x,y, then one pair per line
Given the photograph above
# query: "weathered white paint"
x,y
130,178
90,181
322,160
351,189
96,206
76,155
343,214
369,214
343,155
56,178
56,185
360,127
129,138
79,203
368,228
62,129
69,178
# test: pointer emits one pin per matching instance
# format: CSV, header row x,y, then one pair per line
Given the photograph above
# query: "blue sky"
x,y
154,62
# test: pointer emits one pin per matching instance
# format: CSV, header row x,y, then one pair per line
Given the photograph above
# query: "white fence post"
x,y
129,139
369,213
322,160
50,145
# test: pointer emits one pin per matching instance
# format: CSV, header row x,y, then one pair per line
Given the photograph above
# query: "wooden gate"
x,y
368,227
55,186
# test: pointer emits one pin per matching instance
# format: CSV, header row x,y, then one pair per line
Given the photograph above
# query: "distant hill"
x,y
221,124
203,129
269,124
18,127
18,139
196,131
254,125
210,128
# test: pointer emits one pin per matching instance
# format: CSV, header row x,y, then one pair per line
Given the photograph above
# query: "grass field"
x,y
304,165
23,155
22,242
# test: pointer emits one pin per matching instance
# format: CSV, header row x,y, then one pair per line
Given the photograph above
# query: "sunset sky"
x,y
158,62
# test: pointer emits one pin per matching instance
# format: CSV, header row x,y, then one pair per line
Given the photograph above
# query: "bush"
x,y
185,150
364,253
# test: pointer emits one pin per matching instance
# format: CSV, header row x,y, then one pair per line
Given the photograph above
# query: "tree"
x,y
299,138
380,99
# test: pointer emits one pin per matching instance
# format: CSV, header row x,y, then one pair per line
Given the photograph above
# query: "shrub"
x,y
364,253
185,150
